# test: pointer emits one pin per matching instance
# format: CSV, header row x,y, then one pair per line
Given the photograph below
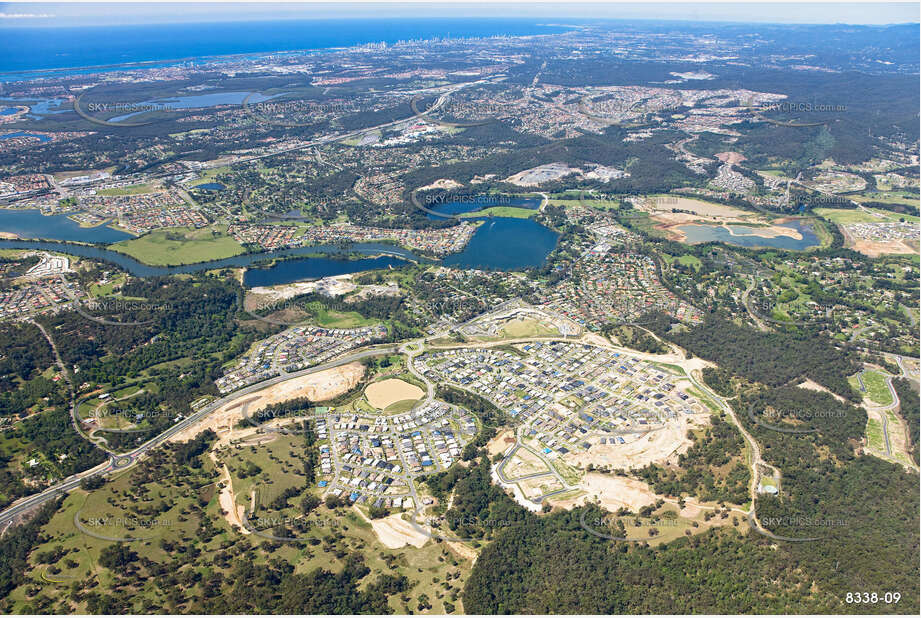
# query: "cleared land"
x,y
390,391
654,447
524,463
394,532
318,386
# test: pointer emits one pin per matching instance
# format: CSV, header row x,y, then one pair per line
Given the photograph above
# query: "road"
x,y
119,462
746,300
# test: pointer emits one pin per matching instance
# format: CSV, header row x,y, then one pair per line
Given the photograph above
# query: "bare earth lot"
x,y
386,392
318,386
653,447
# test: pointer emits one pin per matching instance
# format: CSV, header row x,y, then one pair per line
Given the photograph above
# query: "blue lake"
x,y
506,243
193,102
41,138
33,224
745,236
41,106
210,186
281,272
482,202
290,271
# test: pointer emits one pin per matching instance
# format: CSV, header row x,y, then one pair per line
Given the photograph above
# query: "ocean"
x,y
27,52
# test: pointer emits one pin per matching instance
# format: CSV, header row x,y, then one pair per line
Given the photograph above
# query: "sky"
x,y
122,12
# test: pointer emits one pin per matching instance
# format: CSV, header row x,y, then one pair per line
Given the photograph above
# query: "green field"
x,y
501,211
685,260
516,329
400,407
96,291
329,318
877,390
890,197
858,215
875,435
175,246
129,190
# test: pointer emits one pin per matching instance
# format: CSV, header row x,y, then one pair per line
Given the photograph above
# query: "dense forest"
x,y
774,358
908,409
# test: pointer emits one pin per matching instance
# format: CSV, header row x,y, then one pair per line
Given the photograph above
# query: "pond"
x,y
210,186
747,236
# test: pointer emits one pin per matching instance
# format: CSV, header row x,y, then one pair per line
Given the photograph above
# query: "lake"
x,y
290,271
193,102
33,224
506,243
500,243
211,186
42,106
279,273
746,236
482,202
41,138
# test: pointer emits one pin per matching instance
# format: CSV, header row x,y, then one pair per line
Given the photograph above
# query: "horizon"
x,y
89,14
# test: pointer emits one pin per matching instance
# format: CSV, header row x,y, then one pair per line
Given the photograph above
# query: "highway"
x,y
119,462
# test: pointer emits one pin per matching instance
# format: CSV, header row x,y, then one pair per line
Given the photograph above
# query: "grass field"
x,y
129,190
877,390
400,407
875,435
889,197
175,246
501,211
96,291
685,260
329,318
861,215
527,328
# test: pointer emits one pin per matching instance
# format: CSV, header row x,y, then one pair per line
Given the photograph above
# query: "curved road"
x,y
118,462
